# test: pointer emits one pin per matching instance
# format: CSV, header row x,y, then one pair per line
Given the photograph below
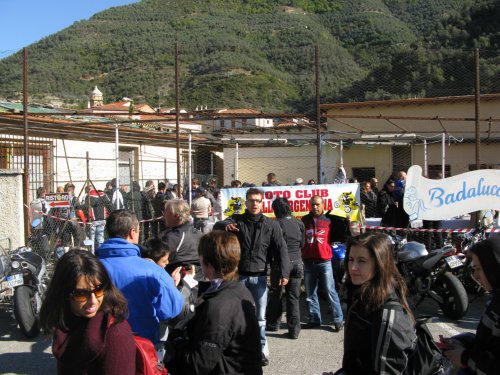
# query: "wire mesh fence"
x,y
247,150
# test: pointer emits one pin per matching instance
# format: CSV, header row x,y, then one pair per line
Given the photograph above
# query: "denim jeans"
x,y
97,233
320,271
257,285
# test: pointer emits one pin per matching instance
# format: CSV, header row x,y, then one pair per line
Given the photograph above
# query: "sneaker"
x,y
264,361
293,336
338,327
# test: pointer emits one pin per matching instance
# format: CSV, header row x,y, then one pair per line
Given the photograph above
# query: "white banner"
x,y
341,199
445,198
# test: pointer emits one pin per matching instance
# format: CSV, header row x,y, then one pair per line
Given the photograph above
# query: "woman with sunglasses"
x,y
86,314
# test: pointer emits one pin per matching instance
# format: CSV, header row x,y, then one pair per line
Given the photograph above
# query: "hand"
x,y
232,228
283,281
454,354
191,271
176,275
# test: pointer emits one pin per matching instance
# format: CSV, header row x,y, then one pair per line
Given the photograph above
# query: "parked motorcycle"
x,y
430,275
5,291
25,283
478,234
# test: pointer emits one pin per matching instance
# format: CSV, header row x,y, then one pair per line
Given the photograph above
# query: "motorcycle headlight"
x,y
15,264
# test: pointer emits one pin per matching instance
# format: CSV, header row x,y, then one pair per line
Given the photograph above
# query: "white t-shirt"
x,y
200,208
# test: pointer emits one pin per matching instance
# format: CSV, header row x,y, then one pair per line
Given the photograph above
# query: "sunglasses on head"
x,y
83,295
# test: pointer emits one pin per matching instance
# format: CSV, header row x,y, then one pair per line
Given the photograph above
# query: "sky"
x,y
27,21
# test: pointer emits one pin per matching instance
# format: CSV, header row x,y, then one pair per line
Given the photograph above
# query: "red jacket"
x,y
318,232
92,347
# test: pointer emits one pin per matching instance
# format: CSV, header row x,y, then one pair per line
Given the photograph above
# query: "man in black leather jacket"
x,y
181,237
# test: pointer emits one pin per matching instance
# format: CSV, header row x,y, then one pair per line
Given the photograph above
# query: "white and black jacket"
x,y
378,342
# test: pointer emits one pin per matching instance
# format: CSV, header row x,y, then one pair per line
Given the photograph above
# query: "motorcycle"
x,y
430,275
477,234
25,283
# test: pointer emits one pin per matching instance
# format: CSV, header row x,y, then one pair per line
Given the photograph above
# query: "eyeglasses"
x,y
254,200
83,295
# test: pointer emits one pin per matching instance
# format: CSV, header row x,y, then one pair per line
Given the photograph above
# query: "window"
x,y
127,157
363,174
401,158
435,171
472,167
40,158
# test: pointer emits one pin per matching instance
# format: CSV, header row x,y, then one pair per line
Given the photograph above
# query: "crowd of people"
x,y
202,297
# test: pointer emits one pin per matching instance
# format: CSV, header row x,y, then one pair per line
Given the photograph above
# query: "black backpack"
x,y
427,358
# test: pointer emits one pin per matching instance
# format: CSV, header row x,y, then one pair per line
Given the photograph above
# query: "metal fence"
x,y
291,153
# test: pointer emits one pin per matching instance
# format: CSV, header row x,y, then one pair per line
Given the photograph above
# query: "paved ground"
x,y
317,351
320,351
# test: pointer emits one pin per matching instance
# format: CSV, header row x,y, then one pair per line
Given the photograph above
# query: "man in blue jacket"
x,y
150,291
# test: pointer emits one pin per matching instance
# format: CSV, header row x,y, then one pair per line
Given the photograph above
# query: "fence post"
x,y
190,186
426,171
443,154
236,162
478,108
318,115
117,167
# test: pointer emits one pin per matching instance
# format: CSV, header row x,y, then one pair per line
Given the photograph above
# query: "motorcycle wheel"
x,y
25,311
454,295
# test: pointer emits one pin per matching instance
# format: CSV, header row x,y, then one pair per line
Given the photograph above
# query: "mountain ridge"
x,y
248,53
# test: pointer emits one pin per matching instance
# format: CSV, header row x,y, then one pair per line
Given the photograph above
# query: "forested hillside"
x,y
260,53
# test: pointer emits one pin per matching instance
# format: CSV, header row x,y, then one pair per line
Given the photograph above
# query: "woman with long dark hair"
x,y
386,205
480,353
86,314
379,330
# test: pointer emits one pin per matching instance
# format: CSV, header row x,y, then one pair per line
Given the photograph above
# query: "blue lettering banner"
x,y
458,195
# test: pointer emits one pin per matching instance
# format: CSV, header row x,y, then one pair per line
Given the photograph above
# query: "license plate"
x,y
15,280
453,261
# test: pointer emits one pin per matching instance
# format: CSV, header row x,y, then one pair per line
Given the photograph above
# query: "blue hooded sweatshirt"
x,y
150,291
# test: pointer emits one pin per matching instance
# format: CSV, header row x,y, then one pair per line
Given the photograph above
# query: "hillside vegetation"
x,y
260,53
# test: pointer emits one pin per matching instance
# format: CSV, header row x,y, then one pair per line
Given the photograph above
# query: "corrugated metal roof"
x,y
393,102
18,107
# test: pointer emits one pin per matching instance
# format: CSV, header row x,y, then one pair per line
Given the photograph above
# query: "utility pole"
x,y
318,117
26,148
177,127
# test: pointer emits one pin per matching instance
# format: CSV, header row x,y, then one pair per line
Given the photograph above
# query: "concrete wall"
x,y
288,163
361,156
458,157
149,163
11,213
